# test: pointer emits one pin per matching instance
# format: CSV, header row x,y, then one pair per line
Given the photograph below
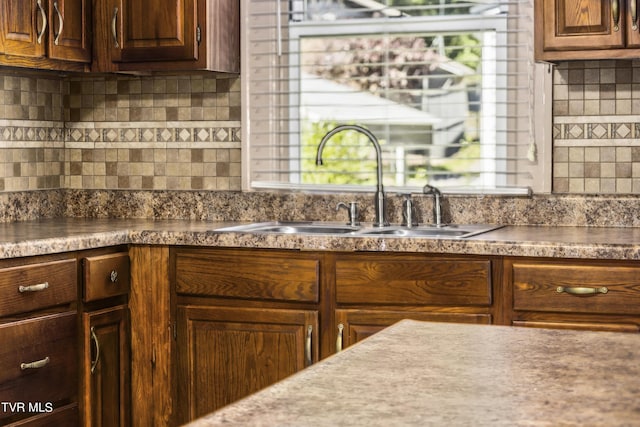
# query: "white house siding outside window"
x,y
449,88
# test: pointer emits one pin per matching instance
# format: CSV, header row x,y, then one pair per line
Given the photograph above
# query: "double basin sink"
x,y
447,231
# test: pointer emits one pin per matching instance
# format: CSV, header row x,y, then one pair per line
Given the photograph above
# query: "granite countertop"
x,y
28,238
418,373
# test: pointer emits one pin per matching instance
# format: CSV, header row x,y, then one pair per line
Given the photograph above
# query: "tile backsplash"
x,y
182,132
596,127
119,132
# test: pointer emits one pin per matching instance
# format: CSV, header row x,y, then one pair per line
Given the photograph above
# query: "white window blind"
x,y
447,87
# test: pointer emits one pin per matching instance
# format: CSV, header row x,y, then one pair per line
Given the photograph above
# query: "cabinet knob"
x,y
113,277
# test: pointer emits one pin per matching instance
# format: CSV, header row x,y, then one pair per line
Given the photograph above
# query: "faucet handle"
x,y
408,211
352,209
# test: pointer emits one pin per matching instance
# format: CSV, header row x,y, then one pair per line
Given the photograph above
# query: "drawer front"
x,y
39,361
106,276
413,281
234,274
66,416
35,286
576,288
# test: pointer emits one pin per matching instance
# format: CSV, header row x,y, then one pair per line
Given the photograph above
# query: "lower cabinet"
x,y
377,290
105,357
245,320
106,367
225,354
573,294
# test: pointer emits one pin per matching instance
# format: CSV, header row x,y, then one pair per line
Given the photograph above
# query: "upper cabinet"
x,y
148,35
121,35
586,29
45,33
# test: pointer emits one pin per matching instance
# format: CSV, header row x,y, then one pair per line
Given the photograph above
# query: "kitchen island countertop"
x,y
422,374
18,239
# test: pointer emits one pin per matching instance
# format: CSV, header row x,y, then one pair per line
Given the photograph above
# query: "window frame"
x,y
541,111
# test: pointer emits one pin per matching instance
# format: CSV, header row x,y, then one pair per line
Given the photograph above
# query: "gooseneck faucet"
x,y
380,202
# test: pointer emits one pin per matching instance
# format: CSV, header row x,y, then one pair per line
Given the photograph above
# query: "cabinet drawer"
x,y
576,287
413,281
255,275
49,344
106,276
66,416
35,286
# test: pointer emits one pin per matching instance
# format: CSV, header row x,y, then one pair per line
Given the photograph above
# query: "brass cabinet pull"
x,y
56,38
114,29
35,365
582,290
33,288
339,339
307,346
633,7
94,339
615,13
44,21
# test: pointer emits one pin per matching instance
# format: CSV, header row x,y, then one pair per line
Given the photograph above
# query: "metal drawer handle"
x,y
33,288
307,346
35,365
339,340
615,13
582,290
56,39
94,338
633,7
114,29
113,277
44,21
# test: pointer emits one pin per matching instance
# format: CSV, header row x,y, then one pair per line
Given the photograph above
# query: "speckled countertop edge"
x,y
61,235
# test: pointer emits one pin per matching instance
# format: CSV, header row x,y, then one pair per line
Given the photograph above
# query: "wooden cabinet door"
x,y
580,24
106,367
225,354
356,325
70,30
155,30
23,27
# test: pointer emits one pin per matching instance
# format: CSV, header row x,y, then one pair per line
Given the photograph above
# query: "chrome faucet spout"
x,y
380,202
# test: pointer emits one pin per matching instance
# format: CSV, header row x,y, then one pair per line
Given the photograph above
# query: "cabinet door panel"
x,y
360,324
152,30
580,24
22,27
106,367
225,354
70,22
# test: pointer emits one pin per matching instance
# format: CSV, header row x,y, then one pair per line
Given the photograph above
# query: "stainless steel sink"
x,y
293,228
450,231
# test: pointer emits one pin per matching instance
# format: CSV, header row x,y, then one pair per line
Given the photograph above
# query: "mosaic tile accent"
x,y
596,127
119,132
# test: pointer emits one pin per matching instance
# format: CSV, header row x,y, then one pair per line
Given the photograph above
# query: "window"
x,y
447,87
